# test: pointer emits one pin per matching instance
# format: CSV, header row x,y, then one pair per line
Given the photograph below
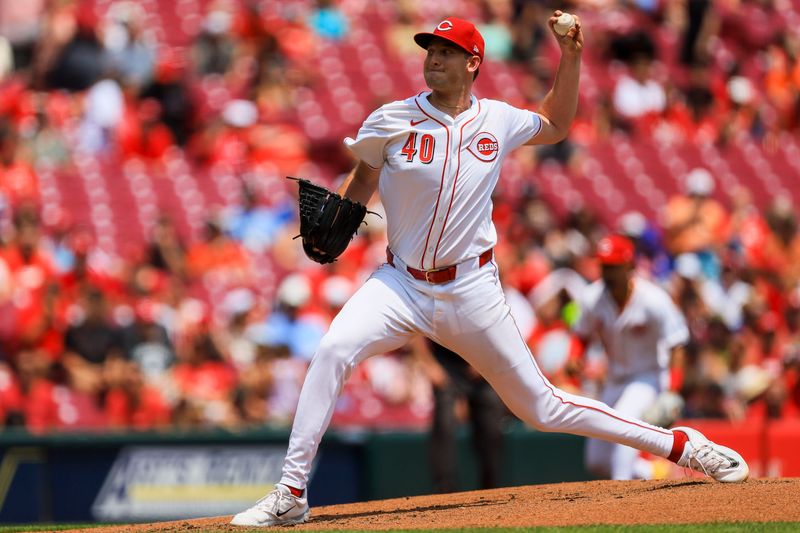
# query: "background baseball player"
x,y
642,332
435,158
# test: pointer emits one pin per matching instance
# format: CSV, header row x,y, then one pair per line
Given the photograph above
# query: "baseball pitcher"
x,y
435,158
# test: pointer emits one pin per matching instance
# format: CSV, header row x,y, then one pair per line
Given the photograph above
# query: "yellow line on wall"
x,y
11,461
174,493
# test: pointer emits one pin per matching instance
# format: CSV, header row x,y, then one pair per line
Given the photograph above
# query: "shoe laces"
x,y
707,458
271,502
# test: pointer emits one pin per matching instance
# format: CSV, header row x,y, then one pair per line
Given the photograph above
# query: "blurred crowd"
x,y
212,323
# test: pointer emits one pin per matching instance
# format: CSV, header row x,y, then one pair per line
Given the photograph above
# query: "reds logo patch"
x,y
484,146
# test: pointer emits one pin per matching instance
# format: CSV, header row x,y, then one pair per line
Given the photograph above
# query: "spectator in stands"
x,y
33,309
82,61
276,80
91,343
697,223
288,324
206,383
48,145
11,399
496,28
218,256
254,224
256,386
236,339
165,250
287,374
744,115
129,53
638,96
782,247
527,31
103,112
56,27
143,134
21,24
37,384
18,181
728,296
131,403
85,276
146,343
237,138
328,21
40,324
214,48
170,90
703,108
701,22
685,287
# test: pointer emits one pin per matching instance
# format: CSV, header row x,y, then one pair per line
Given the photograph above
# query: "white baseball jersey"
x,y
439,173
638,338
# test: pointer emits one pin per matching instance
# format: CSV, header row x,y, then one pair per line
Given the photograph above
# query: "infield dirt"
x,y
687,501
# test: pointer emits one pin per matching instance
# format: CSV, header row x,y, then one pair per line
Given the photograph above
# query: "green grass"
x,y
46,527
770,527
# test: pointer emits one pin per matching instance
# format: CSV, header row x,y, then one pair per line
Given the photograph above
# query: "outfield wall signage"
x,y
186,482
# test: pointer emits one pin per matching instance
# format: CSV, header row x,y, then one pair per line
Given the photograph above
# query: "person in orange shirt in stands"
x,y
218,253
781,249
18,179
130,402
697,223
205,382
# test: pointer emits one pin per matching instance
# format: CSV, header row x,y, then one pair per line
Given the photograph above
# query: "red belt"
x,y
439,275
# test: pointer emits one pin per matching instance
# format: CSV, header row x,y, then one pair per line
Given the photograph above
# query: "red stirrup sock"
x,y
295,492
677,446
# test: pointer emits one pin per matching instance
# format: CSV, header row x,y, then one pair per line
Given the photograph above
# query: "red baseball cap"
x,y
457,31
615,250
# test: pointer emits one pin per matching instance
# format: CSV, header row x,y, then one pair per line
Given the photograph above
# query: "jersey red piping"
x,y
455,182
441,184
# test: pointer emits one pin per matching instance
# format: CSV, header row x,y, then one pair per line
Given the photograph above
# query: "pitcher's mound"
x,y
563,504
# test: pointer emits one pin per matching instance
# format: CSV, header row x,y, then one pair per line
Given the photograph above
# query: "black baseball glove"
x,y
327,221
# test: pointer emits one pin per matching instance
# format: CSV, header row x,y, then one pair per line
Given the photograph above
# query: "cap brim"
x,y
423,39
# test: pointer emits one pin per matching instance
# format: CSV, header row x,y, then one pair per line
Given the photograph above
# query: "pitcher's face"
x,y
446,65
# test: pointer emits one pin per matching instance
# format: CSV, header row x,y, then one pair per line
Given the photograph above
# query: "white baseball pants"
x,y
468,315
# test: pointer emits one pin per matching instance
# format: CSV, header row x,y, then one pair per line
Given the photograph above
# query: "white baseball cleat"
x,y
718,462
279,507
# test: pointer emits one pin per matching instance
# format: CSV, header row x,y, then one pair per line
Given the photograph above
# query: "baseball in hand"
x,y
564,23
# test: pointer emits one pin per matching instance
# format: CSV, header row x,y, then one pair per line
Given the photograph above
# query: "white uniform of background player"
x,y
639,338
436,158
